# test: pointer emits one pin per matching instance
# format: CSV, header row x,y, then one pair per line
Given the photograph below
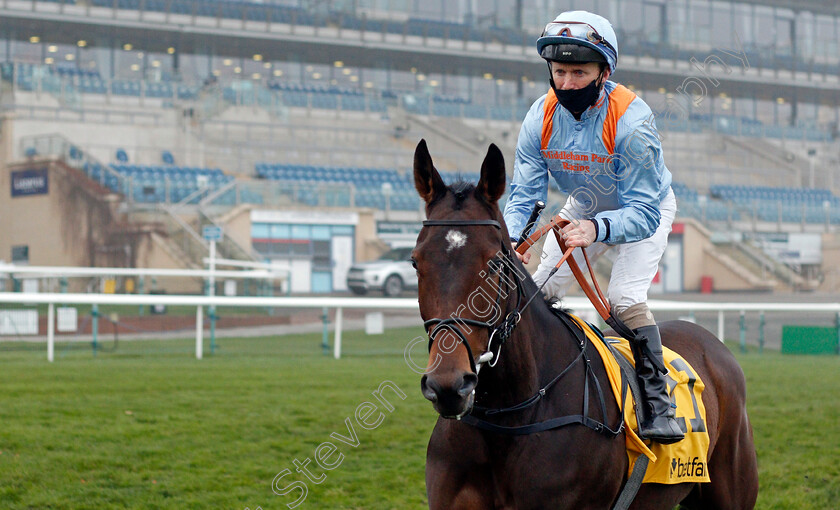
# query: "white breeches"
x,y
635,263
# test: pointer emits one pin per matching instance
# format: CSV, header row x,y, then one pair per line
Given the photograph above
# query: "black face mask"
x,y
577,101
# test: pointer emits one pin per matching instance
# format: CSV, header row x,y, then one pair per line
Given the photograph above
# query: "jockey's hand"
x,y
523,258
579,233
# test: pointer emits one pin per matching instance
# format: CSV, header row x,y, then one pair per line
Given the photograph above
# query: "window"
x,y
744,107
259,231
300,232
825,37
20,254
676,14
654,21
806,32
281,232
321,256
765,110
342,230
321,232
321,281
700,25
826,114
764,27
632,18
722,26
784,32
806,114
742,24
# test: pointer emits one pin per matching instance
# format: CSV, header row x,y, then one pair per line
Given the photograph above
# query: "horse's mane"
x,y
461,186
556,305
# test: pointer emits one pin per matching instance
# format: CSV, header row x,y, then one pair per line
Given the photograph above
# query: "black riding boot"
x,y
658,423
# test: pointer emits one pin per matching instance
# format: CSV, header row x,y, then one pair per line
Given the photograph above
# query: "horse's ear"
x,y
492,181
427,180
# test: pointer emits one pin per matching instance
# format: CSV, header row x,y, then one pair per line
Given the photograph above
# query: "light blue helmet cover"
x,y
600,24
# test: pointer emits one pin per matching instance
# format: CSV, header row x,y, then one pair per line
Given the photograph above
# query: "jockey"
x,y
599,143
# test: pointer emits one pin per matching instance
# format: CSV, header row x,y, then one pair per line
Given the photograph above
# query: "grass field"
x,y
148,426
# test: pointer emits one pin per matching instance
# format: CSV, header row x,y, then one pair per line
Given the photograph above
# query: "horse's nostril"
x,y
428,392
470,380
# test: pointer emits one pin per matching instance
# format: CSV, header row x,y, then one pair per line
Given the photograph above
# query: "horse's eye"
x,y
413,262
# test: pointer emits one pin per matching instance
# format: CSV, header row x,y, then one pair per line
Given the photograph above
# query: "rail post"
x,y
199,331
337,346
211,312
837,325
141,284
325,342
743,333
720,325
94,326
761,332
50,332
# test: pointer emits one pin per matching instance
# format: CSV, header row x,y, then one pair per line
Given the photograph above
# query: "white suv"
x,y
391,273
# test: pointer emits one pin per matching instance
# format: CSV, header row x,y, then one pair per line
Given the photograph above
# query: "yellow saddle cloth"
x,y
684,461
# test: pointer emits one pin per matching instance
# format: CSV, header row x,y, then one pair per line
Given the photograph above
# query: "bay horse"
x,y
481,316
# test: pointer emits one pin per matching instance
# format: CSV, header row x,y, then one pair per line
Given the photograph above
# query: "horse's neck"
x,y
536,351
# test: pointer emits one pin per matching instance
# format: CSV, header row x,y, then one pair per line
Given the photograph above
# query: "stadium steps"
x,y
174,251
227,247
183,239
441,143
761,265
741,277
461,135
230,213
779,158
452,130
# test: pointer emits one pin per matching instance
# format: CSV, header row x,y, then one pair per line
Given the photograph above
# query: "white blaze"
x,y
456,239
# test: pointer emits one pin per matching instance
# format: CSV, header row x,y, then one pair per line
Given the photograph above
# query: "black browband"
x,y
453,223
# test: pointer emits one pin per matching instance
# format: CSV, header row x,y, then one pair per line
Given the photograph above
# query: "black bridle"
x,y
503,329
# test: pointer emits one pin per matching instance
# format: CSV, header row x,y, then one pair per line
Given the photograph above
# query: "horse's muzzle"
x,y
451,399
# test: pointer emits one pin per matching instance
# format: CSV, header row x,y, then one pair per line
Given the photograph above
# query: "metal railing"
x,y
56,145
227,247
372,304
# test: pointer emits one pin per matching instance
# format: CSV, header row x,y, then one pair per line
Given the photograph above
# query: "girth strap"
x,y
628,381
628,492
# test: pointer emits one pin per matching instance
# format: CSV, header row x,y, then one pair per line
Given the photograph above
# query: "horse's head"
x,y
461,257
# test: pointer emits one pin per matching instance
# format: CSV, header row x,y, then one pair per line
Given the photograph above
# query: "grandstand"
x,y
300,116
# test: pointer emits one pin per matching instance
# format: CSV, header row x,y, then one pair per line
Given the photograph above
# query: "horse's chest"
x,y
568,469
547,477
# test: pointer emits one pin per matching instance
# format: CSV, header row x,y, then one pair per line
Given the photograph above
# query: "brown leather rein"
x,y
602,306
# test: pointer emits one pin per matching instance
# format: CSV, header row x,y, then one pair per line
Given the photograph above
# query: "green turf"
x,y
148,426
795,413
